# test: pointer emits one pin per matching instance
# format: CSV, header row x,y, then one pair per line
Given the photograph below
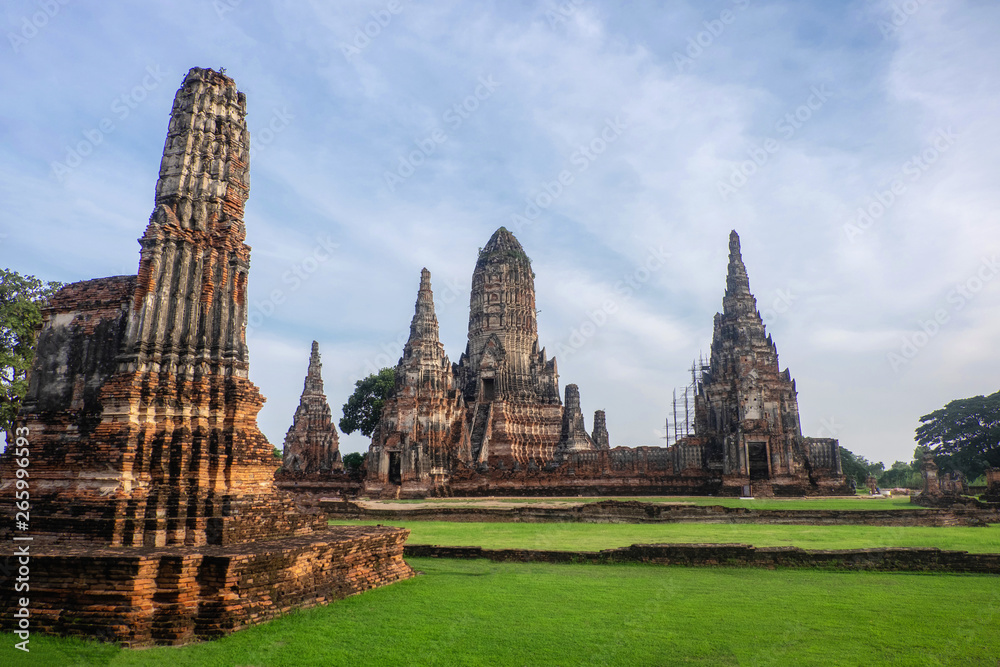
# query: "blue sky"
x,y
853,145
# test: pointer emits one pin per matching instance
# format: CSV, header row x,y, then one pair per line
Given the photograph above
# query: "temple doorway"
x,y
489,390
395,475
759,469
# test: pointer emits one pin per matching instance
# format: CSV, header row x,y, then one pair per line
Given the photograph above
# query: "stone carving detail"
x,y
312,444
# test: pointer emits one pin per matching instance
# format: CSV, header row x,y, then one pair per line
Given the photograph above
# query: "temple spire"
x,y
424,325
314,376
312,443
737,281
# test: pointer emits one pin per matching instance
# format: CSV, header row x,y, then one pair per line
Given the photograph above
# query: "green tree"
x,y
364,408
858,467
354,460
964,435
21,299
902,475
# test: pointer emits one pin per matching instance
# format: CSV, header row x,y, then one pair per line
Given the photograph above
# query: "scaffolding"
x,y
683,405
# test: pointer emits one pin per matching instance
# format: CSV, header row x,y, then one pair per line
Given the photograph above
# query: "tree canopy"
x,y
858,468
964,435
21,298
354,460
364,408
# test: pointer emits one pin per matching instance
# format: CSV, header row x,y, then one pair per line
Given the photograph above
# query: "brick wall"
x,y
171,596
613,511
737,555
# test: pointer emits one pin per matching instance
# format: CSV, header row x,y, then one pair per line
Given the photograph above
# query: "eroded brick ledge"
x,y
892,559
175,595
631,511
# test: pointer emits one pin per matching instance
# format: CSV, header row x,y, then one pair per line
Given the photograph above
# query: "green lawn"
x,y
847,503
597,536
484,613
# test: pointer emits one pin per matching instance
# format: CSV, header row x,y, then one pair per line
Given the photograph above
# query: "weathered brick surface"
x,y
422,433
344,484
174,595
737,555
614,511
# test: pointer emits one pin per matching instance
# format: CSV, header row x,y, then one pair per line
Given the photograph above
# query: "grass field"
x,y
484,613
847,503
597,536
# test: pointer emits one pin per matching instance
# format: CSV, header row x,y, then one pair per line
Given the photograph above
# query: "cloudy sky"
x,y
853,145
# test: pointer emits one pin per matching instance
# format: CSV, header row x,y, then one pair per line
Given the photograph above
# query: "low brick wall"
x,y
630,511
318,485
736,555
172,596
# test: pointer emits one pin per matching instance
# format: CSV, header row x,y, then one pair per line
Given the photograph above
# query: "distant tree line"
x,y
963,436
899,474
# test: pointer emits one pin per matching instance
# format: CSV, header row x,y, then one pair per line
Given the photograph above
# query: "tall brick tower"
x,y
511,388
140,426
747,407
422,433
179,415
502,355
312,443
139,401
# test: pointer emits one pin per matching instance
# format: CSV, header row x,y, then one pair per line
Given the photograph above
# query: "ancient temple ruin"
x,y
498,406
422,434
154,513
312,444
494,424
746,408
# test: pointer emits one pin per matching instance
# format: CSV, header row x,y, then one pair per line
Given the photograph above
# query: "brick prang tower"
x,y
312,443
154,513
